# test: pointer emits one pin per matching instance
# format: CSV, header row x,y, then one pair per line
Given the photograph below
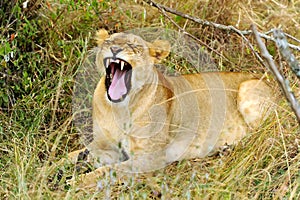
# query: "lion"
x,y
144,120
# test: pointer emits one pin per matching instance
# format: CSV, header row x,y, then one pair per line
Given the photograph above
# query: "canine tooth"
x,y
122,65
107,63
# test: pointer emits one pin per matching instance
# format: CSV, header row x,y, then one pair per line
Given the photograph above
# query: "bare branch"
x,y
212,24
241,33
186,33
284,84
283,47
287,35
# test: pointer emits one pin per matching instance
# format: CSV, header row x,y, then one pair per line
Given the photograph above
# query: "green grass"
x,y
41,49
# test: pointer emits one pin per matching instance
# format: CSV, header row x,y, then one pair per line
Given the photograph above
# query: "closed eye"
x,y
107,42
135,48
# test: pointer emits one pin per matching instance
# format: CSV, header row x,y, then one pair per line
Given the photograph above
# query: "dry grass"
x,y
36,127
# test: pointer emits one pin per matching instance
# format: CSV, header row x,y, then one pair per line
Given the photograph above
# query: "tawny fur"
x,y
165,119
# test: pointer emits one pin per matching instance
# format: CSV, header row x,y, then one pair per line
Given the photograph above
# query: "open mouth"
x,y
118,78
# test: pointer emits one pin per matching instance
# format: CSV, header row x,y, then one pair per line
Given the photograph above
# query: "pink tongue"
x,y
117,88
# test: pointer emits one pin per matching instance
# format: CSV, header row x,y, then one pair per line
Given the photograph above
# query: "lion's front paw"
x,y
88,180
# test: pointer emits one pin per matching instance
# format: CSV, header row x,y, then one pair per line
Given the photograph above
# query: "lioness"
x,y
143,120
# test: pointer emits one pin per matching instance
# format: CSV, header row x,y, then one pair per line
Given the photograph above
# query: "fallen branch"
x,y
283,83
186,33
163,9
212,24
283,47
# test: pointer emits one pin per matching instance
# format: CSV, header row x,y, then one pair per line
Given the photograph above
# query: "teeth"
x,y
110,60
107,63
122,65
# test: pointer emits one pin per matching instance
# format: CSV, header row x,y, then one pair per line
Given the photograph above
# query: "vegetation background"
x,y
44,41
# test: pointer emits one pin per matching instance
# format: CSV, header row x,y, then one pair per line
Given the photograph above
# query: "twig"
x,y
284,84
287,35
212,24
292,37
283,47
163,11
186,33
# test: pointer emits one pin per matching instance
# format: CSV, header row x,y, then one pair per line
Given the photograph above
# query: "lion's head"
x,y
128,61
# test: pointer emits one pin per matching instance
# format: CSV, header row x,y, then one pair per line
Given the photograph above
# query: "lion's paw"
x,y
89,180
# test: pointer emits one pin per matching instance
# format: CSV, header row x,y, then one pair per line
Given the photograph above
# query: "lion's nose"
x,y
115,50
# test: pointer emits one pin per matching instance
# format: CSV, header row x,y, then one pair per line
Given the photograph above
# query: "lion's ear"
x,y
159,50
100,36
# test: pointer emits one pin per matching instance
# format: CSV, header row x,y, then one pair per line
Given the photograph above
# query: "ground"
x,y
43,43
